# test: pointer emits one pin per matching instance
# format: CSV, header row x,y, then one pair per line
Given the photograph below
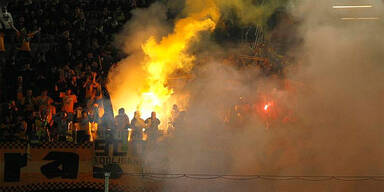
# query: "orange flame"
x,y
165,57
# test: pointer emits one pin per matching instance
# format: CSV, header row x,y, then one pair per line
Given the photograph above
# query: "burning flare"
x,y
267,106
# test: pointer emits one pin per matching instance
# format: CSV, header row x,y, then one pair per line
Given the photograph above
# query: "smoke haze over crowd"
x,y
339,98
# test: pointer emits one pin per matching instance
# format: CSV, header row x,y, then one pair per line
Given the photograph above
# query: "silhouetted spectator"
x,y
137,125
84,129
121,126
61,126
152,127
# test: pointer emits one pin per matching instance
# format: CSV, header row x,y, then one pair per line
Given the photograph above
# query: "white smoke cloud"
x,y
339,110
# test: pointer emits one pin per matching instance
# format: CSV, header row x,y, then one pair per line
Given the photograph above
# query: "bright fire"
x,y
267,106
163,58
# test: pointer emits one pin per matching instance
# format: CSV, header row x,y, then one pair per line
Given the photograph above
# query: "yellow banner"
x,y
57,166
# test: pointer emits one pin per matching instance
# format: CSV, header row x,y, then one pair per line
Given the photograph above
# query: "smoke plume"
x,y
251,11
336,93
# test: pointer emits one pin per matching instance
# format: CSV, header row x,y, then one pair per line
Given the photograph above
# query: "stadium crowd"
x,y
54,59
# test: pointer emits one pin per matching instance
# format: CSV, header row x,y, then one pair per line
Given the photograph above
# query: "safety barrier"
x,y
70,166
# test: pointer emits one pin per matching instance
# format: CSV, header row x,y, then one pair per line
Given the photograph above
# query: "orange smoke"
x,y
163,58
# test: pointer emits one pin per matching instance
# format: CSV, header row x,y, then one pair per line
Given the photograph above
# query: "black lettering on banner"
x,y
98,172
101,145
105,161
13,162
64,165
116,149
102,148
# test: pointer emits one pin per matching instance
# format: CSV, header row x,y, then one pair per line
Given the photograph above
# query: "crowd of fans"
x,y
54,59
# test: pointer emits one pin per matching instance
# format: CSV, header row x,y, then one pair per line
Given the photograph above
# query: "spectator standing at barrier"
x,y
174,114
180,122
61,126
95,122
29,103
41,125
102,126
21,127
51,112
31,129
121,126
152,127
13,110
43,101
84,128
137,125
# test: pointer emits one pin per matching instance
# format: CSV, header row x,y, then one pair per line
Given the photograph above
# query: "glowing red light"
x,y
266,107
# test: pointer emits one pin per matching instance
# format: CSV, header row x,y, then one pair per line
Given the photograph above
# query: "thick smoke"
x,y
338,101
128,76
256,12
